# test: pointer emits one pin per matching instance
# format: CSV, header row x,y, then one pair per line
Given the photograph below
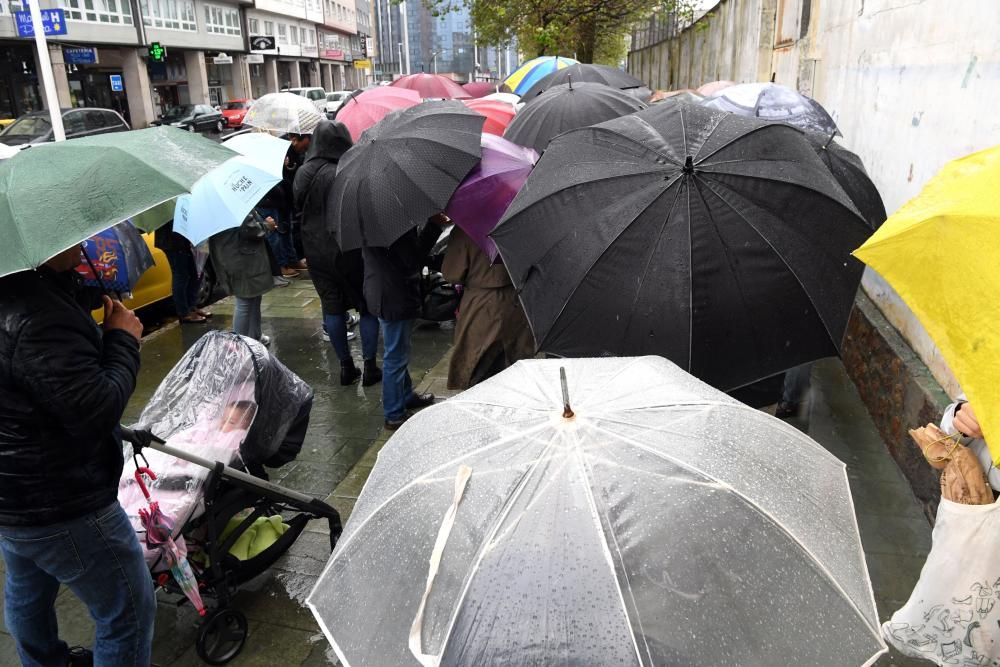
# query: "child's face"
x,y
238,417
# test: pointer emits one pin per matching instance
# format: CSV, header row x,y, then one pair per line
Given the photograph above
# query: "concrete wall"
x,y
911,85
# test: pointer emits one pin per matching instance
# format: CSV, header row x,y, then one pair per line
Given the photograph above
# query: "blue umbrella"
x,y
115,259
222,198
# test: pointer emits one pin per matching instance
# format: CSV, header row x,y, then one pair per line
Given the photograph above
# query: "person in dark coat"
x,y
183,273
64,384
338,276
392,292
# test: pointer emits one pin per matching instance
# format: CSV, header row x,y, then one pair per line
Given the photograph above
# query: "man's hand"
x,y
966,422
117,316
271,224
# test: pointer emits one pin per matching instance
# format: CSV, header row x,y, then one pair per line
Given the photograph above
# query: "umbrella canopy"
x,y
498,114
567,107
525,76
264,149
663,523
403,171
685,96
580,72
509,98
55,195
361,111
940,251
850,172
483,197
713,87
115,259
720,242
479,89
285,113
432,86
775,103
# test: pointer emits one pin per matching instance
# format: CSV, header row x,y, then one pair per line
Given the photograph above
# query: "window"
x,y
294,34
222,20
269,28
168,14
98,11
282,33
73,123
310,38
254,27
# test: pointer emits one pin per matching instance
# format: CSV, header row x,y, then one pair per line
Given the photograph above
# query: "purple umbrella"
x,y
483,197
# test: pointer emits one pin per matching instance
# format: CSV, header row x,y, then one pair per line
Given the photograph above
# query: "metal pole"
x,y
400,58
406,35
48,81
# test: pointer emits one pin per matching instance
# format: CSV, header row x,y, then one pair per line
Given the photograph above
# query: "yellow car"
x,y
154,285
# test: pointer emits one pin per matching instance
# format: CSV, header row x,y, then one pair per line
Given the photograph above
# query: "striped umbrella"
x,y
529,73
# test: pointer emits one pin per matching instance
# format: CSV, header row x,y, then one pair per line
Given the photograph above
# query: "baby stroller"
x,y
199,451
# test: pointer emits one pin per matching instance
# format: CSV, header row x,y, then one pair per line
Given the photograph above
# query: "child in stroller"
x,y
225,411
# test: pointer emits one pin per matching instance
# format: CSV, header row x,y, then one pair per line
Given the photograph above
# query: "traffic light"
x,y
157,52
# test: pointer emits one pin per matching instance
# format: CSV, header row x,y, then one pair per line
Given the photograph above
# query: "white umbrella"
x,y
268,151
286,113
656,522
509,98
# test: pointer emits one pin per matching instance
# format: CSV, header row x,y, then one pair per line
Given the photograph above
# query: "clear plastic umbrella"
x,y
655,522
284,113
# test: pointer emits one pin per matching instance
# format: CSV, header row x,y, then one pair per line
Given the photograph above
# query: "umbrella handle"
x,y
139,472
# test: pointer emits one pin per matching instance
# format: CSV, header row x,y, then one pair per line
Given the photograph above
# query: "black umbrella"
x,y
583,72
567,107
850,172
402,171
775,103
719,242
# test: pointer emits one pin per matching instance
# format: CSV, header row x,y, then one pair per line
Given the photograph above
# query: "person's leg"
x,y
335,326
116,587
241,317
253,317
180,288
407,345
793,390
29,602
369,336
395,377
194,284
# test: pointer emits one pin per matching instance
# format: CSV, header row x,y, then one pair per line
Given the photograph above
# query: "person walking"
x,y
492,331
242,267
293,160
338,276
392,293
183,273
64,384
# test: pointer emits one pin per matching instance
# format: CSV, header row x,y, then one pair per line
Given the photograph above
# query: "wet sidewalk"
x,y
345,435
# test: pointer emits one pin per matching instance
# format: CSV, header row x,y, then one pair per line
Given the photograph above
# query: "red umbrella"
x,y
432,86
483,88
498,114
359,112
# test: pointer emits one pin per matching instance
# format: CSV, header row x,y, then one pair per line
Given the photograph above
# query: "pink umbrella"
x,y
483,88
498,114
712,87
483,197
359,112
432,86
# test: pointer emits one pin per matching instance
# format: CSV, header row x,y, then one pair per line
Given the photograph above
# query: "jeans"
x,y
184,276
336,329
99,558
397,387
280,239
246,318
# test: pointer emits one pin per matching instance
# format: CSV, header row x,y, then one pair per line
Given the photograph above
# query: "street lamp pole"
x,y
45,64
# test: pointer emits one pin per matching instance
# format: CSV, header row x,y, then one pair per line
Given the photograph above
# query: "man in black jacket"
x,y
63,388
392,293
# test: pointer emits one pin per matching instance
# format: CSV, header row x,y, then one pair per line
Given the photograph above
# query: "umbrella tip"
x,y
689,165
569,77
567,411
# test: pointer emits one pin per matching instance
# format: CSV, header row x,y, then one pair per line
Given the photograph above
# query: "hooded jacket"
x,y
338,276
63,388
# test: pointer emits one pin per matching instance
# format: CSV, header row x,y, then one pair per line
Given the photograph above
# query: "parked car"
x,y
193,118
335,99
234,111
315,95
36,127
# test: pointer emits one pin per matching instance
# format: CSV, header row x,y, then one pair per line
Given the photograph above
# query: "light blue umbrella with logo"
x,y
222,198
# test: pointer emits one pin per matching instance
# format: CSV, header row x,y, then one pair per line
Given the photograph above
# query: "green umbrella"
x,y
53,196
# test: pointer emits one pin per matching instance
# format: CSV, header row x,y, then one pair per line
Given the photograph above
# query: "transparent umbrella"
x,y
283,113
656,521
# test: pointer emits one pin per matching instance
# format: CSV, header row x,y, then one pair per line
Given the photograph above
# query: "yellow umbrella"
x,y
941,253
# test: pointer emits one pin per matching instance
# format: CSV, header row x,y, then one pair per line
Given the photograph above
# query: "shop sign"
x,y
157,52
116,82
363,64
223,59
79,55
53,23
333,54
254,59
262,43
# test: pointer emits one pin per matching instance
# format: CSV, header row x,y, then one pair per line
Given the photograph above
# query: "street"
x,y
345,435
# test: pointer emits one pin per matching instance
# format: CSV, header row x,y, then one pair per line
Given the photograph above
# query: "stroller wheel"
x,y
222,636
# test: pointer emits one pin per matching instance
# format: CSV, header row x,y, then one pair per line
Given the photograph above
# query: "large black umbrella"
x,y
776,103
402,171
850,172
720,242
584,72
567,107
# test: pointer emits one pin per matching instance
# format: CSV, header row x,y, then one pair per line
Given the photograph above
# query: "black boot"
x,y
373,374
349,373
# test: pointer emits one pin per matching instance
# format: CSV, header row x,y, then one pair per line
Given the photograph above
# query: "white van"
x,y
315,95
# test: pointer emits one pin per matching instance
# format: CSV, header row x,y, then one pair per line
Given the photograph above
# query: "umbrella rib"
x,y
753,505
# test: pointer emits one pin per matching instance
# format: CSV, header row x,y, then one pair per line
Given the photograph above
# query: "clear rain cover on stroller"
x,y
227,399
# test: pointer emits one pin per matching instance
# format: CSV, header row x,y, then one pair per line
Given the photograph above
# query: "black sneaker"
x,y
373,374
418,401
393,424
80,657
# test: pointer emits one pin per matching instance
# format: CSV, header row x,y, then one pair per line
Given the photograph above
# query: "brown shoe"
x,y
300,265
289,272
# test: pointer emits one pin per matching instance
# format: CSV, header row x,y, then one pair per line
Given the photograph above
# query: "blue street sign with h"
x,y
53,22
116,82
